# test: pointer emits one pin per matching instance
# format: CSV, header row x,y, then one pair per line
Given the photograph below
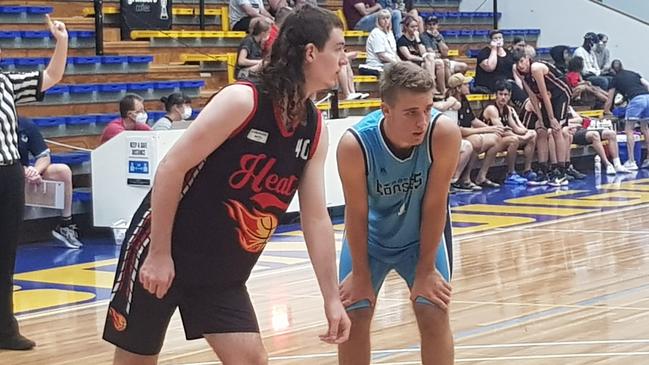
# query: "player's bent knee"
x,y
124,357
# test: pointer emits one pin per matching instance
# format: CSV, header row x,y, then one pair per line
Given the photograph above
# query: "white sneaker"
x,y
353,96
645,164
364,95
631,165
621,169
610,170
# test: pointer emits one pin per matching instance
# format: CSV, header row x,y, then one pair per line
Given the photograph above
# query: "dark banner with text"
x,y
144,15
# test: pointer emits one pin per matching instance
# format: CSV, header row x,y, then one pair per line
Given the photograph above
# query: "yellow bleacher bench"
x,y
353,104
229,58
143,34
451,53
176,11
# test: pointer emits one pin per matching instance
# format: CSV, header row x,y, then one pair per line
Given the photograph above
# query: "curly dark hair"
x,y
283,75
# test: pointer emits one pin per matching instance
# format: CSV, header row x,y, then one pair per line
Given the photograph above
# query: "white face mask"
x,y
141,118
187,112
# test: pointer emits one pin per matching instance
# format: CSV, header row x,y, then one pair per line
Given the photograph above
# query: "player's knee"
x,y
59,172
432,321
257,357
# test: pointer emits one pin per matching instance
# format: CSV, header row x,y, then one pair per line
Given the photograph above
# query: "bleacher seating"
x,y
23,14
44,39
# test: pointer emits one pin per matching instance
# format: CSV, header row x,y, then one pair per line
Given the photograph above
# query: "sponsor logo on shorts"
x,y
119,321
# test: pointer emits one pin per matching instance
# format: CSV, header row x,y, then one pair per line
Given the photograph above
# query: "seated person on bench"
x,y
30,141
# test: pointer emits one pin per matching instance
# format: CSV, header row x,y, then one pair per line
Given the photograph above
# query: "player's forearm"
x,y
320,244
56,67
41,164
164,204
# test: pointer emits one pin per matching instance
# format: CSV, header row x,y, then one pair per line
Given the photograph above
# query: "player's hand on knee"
x,y
356,288
339,324
157,274
430,285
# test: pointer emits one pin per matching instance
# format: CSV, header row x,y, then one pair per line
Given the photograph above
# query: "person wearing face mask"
x,y
133,117
603,55
178,107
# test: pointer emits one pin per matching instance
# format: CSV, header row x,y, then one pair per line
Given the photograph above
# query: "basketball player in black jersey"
x,y
549,96
217,198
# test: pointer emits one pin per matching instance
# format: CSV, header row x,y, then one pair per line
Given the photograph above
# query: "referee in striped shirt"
x,y
19,88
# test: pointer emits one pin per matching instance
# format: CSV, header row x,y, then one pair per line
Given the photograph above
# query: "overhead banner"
x,y
144,15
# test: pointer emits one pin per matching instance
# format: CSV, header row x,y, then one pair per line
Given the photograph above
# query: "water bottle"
x,y
598,165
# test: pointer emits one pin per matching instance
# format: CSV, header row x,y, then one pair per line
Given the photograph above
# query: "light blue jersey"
x,y
396,189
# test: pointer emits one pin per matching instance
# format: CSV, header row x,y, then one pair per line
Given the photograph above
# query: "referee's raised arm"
x,y
21,87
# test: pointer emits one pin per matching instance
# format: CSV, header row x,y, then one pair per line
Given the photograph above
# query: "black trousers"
x,y
12,203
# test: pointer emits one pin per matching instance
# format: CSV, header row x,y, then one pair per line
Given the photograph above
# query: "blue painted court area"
x,y
49,276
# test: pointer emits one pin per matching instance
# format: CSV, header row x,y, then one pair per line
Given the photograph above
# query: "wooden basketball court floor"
x,y
568,290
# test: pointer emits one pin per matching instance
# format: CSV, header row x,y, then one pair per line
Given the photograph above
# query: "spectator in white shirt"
x,y
591,70
381,46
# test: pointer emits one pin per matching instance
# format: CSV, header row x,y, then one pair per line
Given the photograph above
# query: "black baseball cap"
x,y
432,19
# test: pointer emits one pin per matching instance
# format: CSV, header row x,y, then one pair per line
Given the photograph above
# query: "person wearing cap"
x,y
434,42
591,71
178,107
483,138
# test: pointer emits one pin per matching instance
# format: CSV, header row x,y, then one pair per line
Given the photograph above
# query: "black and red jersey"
x,y
233,200
554,81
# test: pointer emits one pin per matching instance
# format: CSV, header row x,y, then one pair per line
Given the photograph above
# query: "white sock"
x,y
617,162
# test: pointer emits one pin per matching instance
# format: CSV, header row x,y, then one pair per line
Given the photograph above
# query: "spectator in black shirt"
x,y
250,50
496,63
635,89
410,48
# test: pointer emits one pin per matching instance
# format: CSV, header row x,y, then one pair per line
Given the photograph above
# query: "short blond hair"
x,y
404,75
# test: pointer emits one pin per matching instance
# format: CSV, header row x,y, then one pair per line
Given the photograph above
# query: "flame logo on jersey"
x,y
119,321
254,228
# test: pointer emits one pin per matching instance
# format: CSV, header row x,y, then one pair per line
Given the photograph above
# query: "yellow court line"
x,y
487,208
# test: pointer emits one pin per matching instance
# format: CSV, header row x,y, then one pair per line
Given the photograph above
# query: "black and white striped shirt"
x,y
15,88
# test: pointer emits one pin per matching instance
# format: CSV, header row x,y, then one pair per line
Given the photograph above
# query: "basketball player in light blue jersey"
x,y
396,166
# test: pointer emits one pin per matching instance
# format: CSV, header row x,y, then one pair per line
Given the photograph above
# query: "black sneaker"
x,y
574,173
556,178
17,342
68,236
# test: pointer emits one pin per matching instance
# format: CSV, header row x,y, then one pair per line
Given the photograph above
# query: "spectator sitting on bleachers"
x,y
602,54
591,71
500,114
483,138
30,141
250,53
243,11
281,15
410,48
518,43
496,63
275,5
381,47
178,107
560,55
363,14
133,117
434,42
346,80
636,90
578,133
582,90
